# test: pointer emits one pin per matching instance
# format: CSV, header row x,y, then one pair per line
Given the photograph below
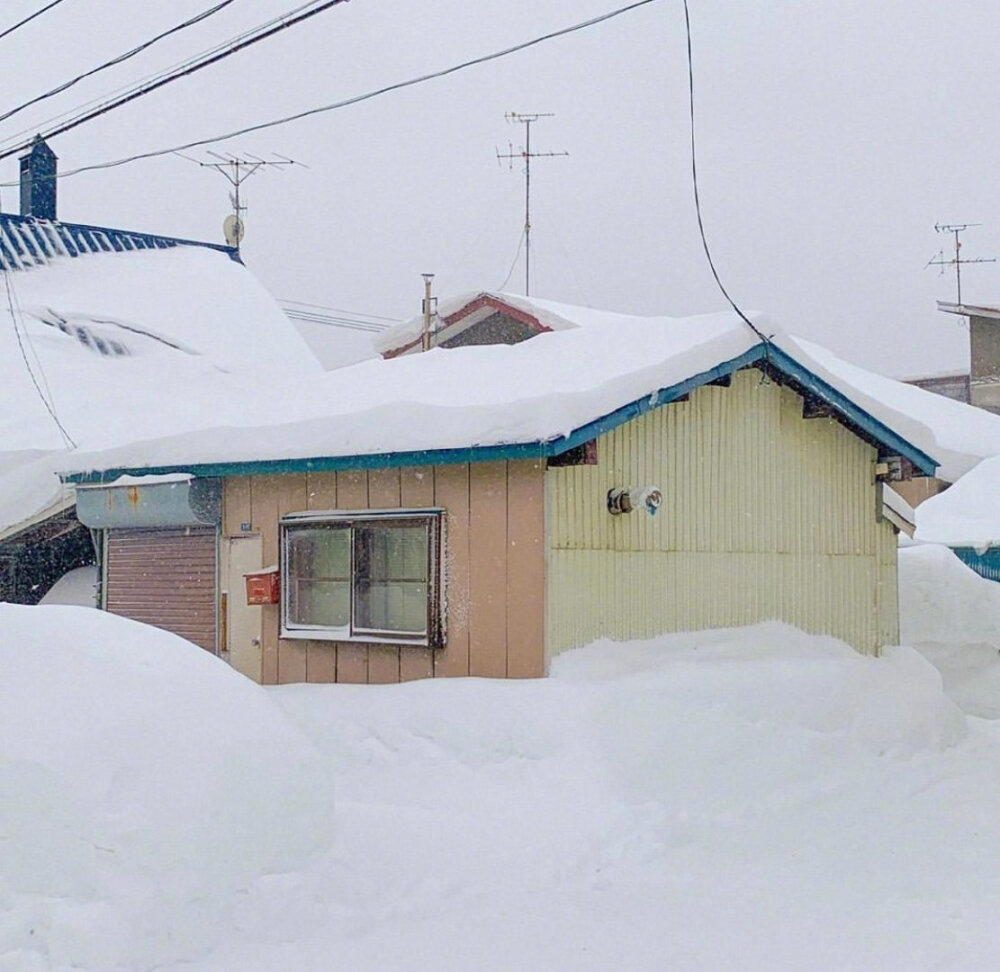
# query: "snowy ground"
x,y
754,800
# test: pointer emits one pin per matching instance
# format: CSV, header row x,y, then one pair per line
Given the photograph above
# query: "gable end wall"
x,y
766,515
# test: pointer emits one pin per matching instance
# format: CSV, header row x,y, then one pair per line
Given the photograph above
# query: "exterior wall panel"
x,y
765,515
494,530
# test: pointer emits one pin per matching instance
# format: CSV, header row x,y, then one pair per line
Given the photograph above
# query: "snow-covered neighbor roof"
x,y
562,382
123,345
549,315
967,514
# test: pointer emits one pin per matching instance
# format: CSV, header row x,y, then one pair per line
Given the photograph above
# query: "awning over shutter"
x,y
166,578
151,502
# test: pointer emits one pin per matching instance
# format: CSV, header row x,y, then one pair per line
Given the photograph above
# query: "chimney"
x,y
38,181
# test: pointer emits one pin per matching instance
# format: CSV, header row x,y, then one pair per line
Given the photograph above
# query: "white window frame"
x,y
433,637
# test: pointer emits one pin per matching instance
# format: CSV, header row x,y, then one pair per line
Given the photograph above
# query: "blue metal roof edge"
x,y
119,240
864,421
773,357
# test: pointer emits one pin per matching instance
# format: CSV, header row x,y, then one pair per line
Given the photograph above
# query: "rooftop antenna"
x,y
955,229
527,120
237,169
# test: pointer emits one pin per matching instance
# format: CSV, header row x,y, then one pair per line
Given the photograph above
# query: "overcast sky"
x,y
832,137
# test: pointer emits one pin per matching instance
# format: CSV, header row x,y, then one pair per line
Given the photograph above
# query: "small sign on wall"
x,y
263,587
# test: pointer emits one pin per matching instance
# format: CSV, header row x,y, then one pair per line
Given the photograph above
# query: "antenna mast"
x,y
955,229
237,170
527,120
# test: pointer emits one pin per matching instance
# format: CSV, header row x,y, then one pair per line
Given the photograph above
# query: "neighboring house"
x,y
486,318
114,334
467,512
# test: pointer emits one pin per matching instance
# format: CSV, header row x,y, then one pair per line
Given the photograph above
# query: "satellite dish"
x,y
234,229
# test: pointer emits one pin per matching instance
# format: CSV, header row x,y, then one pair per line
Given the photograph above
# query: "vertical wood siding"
x,y
493,568
765,515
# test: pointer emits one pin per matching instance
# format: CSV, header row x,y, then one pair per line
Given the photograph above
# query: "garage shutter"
x,y
165,578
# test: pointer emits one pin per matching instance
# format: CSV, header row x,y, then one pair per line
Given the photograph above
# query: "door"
x,y
243,621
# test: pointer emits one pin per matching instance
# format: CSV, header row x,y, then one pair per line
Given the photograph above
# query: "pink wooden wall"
x,y
494,568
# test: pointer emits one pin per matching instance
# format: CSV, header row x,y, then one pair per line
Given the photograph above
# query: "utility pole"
x,y
957,262
527,120
237,170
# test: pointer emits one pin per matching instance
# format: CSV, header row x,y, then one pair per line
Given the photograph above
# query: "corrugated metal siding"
x,y
165,578
765,515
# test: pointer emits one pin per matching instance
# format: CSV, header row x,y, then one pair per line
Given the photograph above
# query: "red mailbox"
x,y
263,587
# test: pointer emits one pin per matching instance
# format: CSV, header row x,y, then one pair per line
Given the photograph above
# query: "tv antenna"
x,y
527,120
237,169
956,261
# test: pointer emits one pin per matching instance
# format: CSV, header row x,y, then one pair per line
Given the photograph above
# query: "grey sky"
x,y
832,136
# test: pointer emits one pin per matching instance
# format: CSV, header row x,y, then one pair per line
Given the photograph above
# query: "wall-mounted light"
x,y
631,498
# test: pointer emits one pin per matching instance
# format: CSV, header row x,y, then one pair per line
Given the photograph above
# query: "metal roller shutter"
x,y
165,578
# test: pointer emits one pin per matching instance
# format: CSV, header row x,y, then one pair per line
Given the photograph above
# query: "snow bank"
x,y
143,786
77,587
751,799
952,616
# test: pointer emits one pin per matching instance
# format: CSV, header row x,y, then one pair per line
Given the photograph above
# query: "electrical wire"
x,y
29,18
14,316
177,75
204,15
513,263
697,200
340,310
133,85
347,102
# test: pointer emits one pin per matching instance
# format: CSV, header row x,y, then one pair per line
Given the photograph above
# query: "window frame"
x,y
432,517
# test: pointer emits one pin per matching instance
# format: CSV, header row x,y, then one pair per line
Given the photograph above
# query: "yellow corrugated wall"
x,y
765,515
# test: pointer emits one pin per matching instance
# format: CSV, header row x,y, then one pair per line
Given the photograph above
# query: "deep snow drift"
x,y
143,786
752,799
951,615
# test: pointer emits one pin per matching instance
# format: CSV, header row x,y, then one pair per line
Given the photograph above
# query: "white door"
x,y
243,621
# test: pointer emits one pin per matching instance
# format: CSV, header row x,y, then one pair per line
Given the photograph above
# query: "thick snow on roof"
x,y
538,390
961,435
123,345
967,514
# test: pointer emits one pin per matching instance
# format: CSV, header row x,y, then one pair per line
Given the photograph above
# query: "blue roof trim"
x,y
776,362
888,442
986,564
28,242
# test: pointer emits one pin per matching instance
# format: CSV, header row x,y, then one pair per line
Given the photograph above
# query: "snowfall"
x,y
745,799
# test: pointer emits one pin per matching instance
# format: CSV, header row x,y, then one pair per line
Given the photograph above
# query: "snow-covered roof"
x,y
967,514
122,345
960,435
577,381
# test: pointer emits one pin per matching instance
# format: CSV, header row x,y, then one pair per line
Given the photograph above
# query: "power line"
x,y
29,18
357,99
697,201
340,310
177,75
14,315
119,59
133,85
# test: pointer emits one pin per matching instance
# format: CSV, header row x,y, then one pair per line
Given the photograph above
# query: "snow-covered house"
x,y
478,509
108,334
